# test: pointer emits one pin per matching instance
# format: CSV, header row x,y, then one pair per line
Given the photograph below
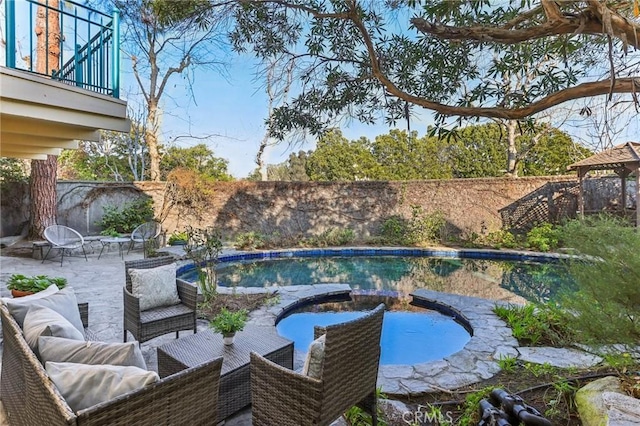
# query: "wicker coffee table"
x,y
235,381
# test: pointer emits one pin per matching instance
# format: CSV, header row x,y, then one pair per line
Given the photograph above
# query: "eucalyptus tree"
x,y
163,39
380,60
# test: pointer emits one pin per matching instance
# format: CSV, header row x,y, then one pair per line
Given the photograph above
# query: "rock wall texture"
x,y
299,208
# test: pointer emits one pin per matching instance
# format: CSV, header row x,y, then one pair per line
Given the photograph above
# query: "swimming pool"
x,y
512,277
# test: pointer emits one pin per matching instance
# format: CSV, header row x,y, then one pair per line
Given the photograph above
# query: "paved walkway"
x,y
100,281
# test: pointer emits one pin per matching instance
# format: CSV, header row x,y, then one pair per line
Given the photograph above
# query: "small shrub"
x,y
394,230
126,218
331,237
249,241
203,248
543,237
536,325
35,283
470,415
356,416
501,239
507,363
178,237
424,228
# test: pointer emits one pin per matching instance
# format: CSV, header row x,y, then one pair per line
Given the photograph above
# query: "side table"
x,y
114,240
235,380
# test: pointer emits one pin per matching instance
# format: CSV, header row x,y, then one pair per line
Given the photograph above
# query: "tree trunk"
x,y
151,136
512,149
42,187
42,184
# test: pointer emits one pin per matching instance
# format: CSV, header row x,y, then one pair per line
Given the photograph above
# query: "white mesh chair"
x,y
145,232
64,239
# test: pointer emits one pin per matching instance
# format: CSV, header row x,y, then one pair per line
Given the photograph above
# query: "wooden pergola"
x,y
624,160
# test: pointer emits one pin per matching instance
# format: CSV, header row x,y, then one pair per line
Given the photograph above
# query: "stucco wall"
x,y
294,208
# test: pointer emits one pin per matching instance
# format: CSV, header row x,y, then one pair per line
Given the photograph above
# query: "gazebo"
x,y
623,159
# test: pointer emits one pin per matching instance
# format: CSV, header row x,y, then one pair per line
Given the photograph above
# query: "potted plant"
x,y
178,238
228,323
21,285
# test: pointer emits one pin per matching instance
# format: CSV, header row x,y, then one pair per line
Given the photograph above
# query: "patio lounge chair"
x,y
145,325
349,373
148,231
64,239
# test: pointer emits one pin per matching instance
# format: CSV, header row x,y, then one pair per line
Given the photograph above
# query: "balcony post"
x,y
115,63
10,25
78,66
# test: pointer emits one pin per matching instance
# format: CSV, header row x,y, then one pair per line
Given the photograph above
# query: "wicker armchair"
x,y
145,325
350,370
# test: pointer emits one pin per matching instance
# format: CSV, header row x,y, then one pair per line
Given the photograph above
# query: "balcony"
x,y
48,101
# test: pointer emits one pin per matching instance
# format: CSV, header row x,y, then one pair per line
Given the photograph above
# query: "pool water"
x,y
511,281
408,337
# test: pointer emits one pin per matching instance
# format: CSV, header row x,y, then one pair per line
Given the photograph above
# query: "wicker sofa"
x,y
30,397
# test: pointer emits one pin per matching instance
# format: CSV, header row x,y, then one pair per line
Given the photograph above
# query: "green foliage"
x,y
539,370
422,228
178,237
199,159
543,237
536,325
356,416
34,283
337,159
501,239
331,237
249,241
470,415
507,363
126,218
203,248
605,306
227,322
621,361
12,170
294,169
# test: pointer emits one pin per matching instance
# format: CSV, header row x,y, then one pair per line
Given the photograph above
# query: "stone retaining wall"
x,y
298,208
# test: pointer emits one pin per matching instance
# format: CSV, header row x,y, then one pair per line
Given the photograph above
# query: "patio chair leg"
x,y
177,332
125,337
47,255
61,257
85,254
130,246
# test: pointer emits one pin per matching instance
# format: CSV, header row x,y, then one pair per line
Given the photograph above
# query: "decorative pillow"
x,y
315,358
41,321
63,302
58,349
155,287
27,299
83,386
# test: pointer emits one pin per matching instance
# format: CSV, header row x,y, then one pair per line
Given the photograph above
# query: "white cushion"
x,y
315,358
84,386
41,321
27,299
155,287
63,302
95,353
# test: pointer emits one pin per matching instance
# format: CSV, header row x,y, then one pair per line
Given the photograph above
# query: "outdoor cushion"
x,y
57,349
83,386
27,299
63,302
155,287
42,321
315,358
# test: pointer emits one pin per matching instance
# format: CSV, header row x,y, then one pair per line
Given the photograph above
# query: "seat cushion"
x,y
42,321
63,302
159,314
84,386
58,349
155,287
314,361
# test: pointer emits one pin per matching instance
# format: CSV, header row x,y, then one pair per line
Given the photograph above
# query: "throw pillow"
x,y
315,358
94,353
42,321
155,287
63,302
84,386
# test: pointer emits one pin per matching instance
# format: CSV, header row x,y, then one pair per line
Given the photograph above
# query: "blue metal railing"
x,y
89,43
